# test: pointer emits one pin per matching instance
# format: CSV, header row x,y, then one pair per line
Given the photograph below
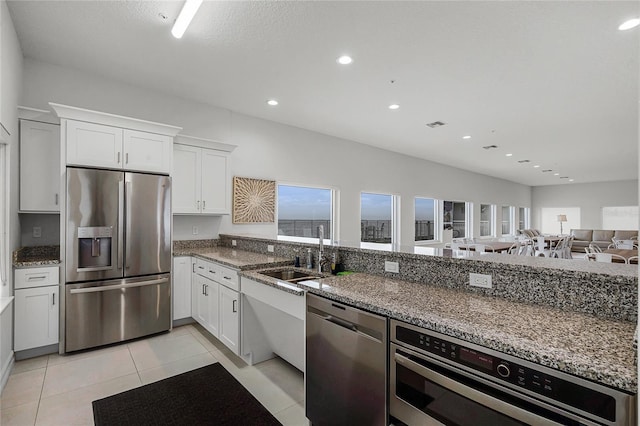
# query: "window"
x,y
301,210
487,220
622,218
549,220
507,220
523,218
376,213
454,217
425,219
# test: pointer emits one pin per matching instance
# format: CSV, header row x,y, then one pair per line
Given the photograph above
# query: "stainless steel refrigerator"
x,y
118,256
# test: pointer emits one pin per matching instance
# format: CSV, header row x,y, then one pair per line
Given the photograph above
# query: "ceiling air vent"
x,y
547,170
524,161
436,124
490,146
564,177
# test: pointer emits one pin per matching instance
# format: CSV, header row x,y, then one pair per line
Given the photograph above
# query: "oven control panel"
x,y
506,370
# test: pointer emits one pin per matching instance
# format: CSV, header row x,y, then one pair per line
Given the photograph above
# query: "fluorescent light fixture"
x,y
272,102
466,137
344,60
184,18
631,23
394,106
508,155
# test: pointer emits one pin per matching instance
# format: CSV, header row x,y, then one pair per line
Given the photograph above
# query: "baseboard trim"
x,y
32,353
6,371
183,321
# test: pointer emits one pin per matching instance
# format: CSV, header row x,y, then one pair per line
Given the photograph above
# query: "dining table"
x,y
492,246
626,253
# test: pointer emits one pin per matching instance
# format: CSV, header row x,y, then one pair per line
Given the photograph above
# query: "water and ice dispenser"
x,y
94,248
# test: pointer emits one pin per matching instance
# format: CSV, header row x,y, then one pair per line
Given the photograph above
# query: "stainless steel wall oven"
x,y
437,379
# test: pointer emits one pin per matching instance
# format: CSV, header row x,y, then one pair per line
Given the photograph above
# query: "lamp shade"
x,y
562,218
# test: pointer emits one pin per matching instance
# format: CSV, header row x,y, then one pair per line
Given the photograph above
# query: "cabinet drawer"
x,y
36,277
228,277
207,269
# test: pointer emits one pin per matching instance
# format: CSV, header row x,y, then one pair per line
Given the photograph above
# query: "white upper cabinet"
x,y
201,180
39,167
90,144
99,139
147,151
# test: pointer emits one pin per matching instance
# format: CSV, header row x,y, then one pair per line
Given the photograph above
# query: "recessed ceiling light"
x,y
394,106
508,155
272,102
570,180
556,174
536,166
466,137
345,60
631,23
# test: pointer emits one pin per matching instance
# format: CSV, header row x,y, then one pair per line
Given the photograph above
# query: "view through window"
x,y
507,213
487,220
302,209
523,218
425,215
454,217
376,211
622,218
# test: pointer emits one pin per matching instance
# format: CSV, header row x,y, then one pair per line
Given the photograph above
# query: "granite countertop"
x,y
593,348
238,259
36,256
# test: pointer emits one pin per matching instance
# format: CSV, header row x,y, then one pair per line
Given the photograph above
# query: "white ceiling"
x,y
552,82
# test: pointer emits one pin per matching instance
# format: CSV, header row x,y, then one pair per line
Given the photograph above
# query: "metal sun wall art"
x,y
254,200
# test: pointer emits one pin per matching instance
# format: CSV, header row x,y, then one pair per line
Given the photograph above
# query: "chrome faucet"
x,y
321,259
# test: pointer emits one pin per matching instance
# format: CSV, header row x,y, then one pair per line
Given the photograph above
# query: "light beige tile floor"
x,y
58,390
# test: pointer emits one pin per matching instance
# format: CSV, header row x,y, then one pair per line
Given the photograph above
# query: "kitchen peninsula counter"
x,y
238,259
597,349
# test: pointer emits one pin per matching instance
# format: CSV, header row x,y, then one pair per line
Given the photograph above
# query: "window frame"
x,y
468,217
512,216
394,225
492,220
330,236
437,221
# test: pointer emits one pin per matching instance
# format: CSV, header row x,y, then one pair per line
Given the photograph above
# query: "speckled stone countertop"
x,y
36,256
583,345
238,259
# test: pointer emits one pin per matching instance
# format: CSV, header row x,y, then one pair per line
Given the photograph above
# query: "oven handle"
x,y
117,286
472,394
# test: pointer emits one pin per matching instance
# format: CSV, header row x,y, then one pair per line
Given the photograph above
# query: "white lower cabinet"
x,y
181,292
36,308
214,304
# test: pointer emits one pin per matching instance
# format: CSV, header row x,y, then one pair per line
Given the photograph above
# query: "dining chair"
x,y
632,259
593,248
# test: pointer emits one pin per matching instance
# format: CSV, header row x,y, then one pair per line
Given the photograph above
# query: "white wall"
x,y
274,151
589,197
11,73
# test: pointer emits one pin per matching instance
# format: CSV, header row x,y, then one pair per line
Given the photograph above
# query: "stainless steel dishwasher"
x,y
346,358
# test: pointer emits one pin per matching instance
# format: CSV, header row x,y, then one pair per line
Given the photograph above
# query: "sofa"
x,y
600,237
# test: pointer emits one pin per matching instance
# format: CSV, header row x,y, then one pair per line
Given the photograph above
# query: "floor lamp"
x,y
562,218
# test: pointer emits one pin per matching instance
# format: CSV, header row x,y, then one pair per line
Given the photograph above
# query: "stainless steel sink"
x,y
289,275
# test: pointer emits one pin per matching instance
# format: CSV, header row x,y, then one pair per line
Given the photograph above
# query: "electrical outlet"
x,y
194,230
234,243
37,232
391,267
270,248
480,280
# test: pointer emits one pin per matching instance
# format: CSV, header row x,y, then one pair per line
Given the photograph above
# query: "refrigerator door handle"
x,y
127,249
117,286
120,221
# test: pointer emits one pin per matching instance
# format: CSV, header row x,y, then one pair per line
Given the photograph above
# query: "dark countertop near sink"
x,y
36,256
583,345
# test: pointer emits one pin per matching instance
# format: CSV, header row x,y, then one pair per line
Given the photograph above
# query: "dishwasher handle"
x,y
358,329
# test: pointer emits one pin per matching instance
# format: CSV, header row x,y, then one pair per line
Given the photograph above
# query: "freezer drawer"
x,y
98,313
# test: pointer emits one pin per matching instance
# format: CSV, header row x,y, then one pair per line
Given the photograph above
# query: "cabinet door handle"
x,y
206,287
204,203
234,306
126,158
54,299
198,204
202,288
56,199
212,272
37,277
193,267
118,157
227,278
